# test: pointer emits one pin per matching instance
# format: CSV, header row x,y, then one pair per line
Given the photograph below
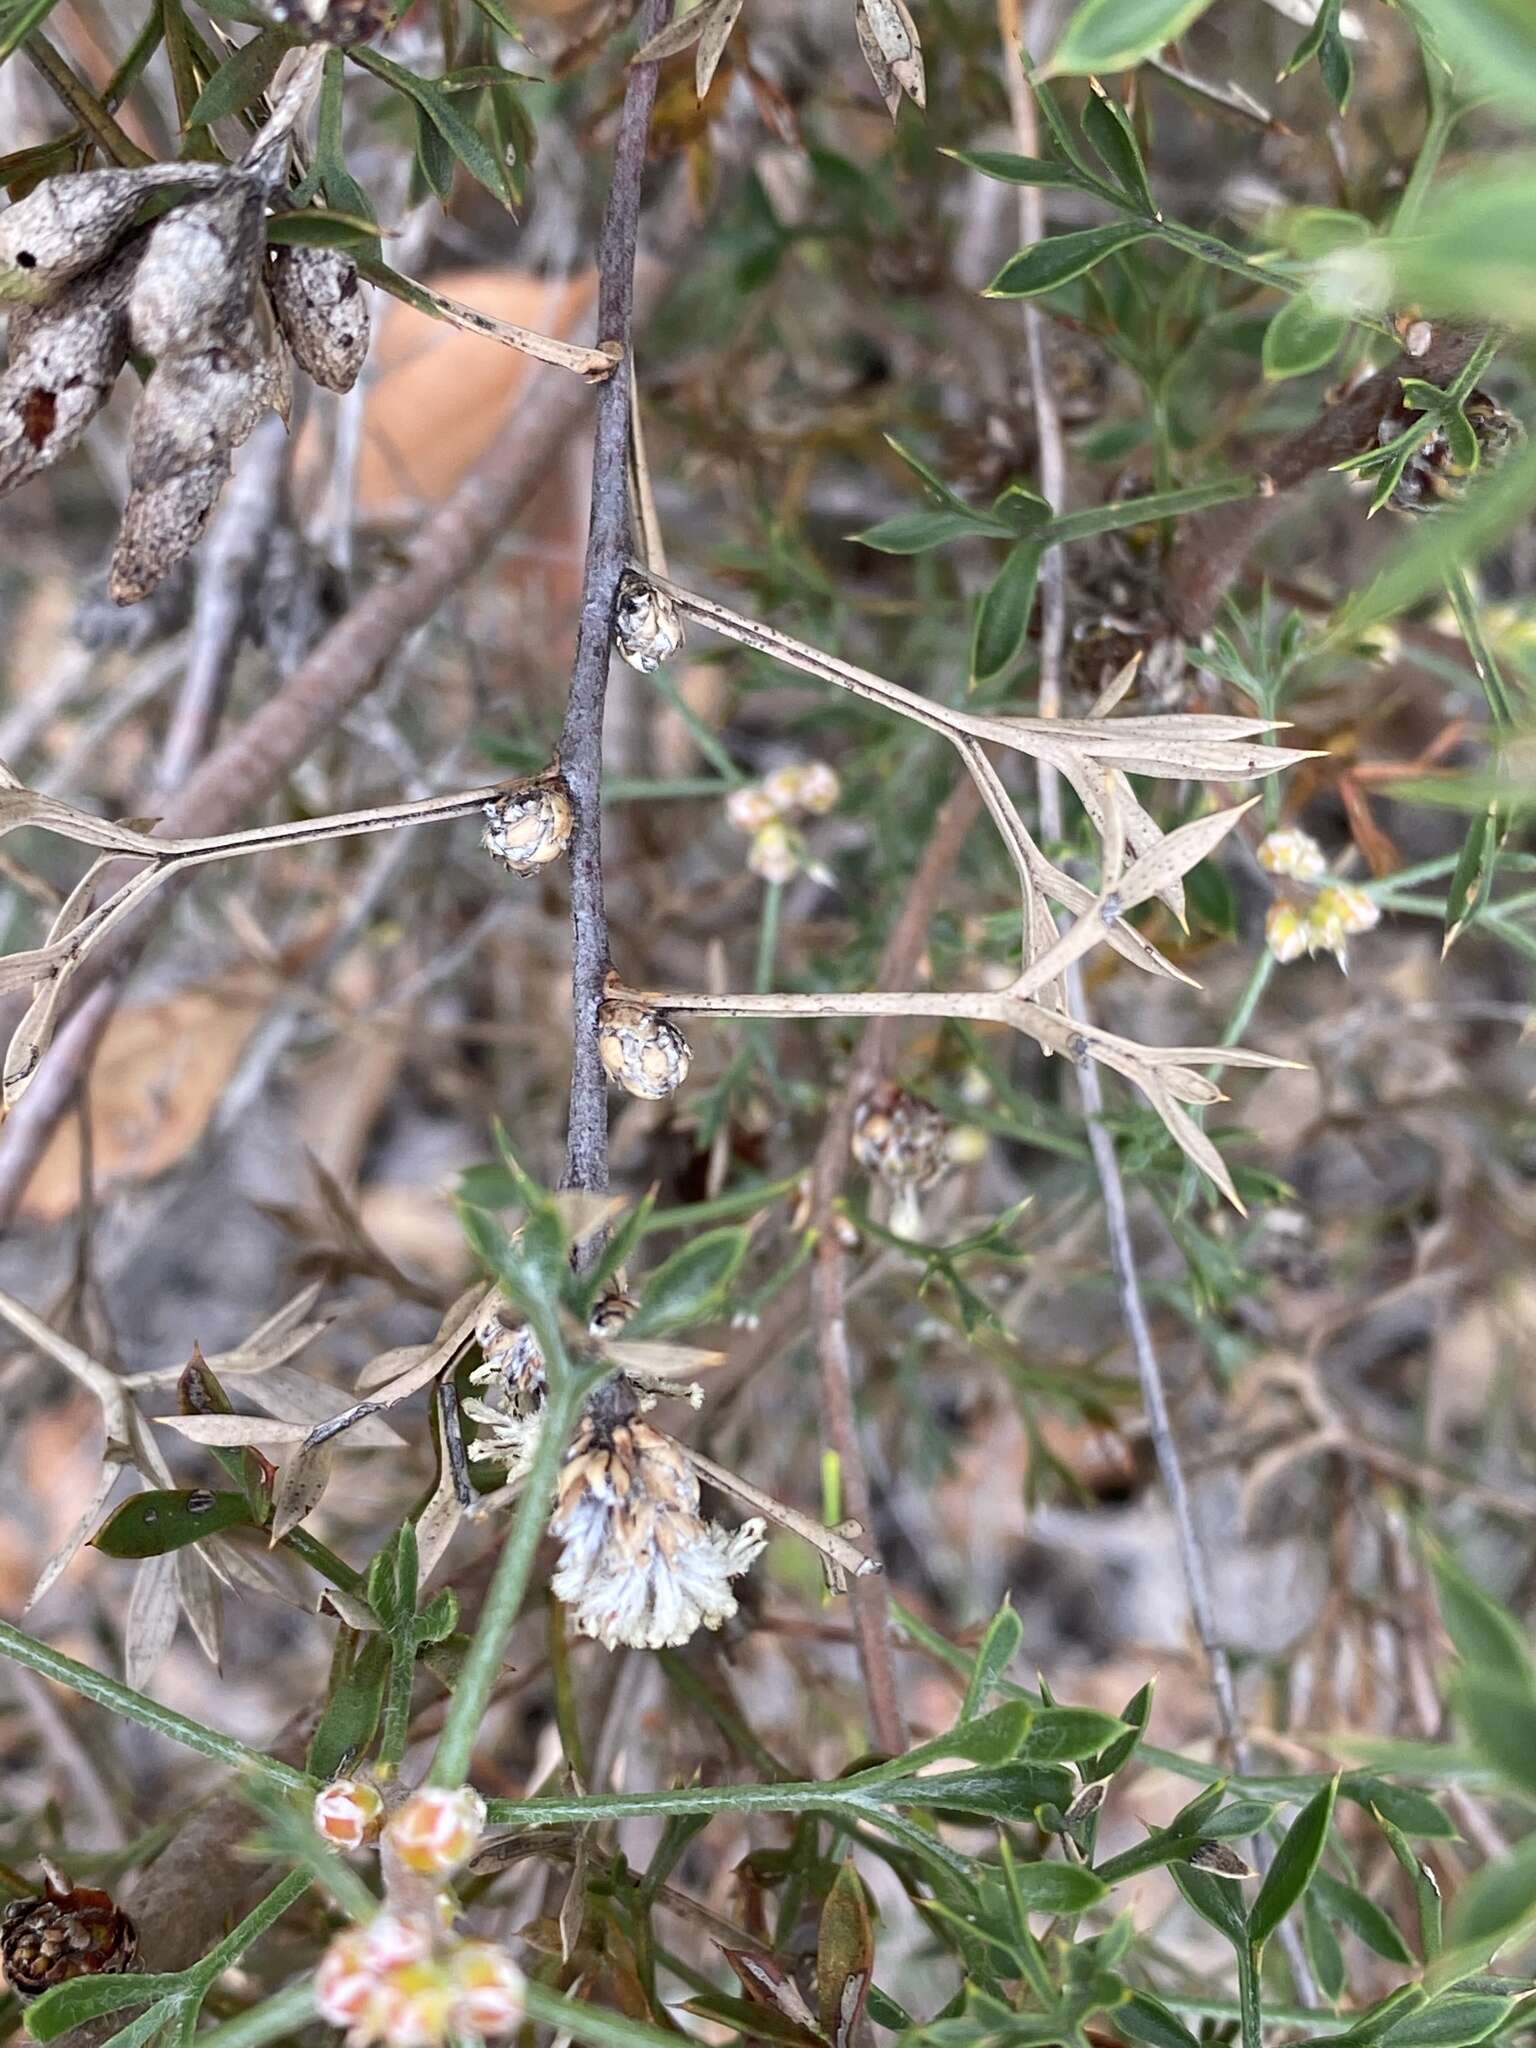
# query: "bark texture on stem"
x,y
1212,547
608,547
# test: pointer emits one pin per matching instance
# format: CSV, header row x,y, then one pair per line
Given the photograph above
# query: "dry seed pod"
x,y
198,273
527,828
65,358
69,224
640,1050
899,1138
66,1931
160,526
646,628
322,310
1217,1860
1432,476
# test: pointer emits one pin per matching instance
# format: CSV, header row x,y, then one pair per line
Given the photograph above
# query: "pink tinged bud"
x,y
347,1981
436,1830
1293,853
750,809
819,787
415,2006
489,1990
348,1813
390,1941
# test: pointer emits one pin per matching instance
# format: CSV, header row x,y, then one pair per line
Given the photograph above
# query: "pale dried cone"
x,y
65,358
322,309
197,276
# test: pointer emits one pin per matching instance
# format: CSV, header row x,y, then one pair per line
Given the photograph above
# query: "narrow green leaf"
x,y
845,1954
929,476
1002,613
1146,2019
352,1713
1234,1823
1472,880
1500,1715
1063,1735
88,1998
1215,1899
1362,1916
151,1523
914,533
1484,1632
1056,1887
323,227
1426,1890
1323,1950
1108,128
1060,258
997,1650
29,15
1403,1805
1490,44
240,79
1008,1791
465,142
1022,170
1454,2020
1142,511
1295,1861
1135,1714
692,1285
1499,1899
1301,338
991,1739
1113,35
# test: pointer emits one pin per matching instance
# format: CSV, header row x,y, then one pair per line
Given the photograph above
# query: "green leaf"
x,y
240,78
1108,128
1500,1715
1009,1791
1146,2019
991,1739
1469,248
434,156
1022,170
352,1713
1295,1861
1472,880
1135,1714
1500,1898
151,1523
1323,1950
1142,511
914,533
1426,1891
88,1998
1113,35
1062,1735
997,1650
1302,337
1362,1916
465,142
1002,614
29,15
1452,2021
1060,258
1484,1633
1056,1887
1403,1805
951,500
1490,44
692,1285
1217,1900
322,227
1324,41
1234,1823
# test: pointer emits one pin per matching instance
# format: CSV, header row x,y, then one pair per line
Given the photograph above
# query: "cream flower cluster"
x,y
765,809
406,1979
1337,912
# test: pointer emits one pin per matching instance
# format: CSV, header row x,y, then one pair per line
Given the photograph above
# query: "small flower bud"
x,y
966,1145
488,1990
646,628
641,1050
819,788
784,785
899,1138
348,1813
527,828
750,808
1285,932
1337,915
323,312
1294,854
436,1829
347,1981
414,2006
391,1940
774,853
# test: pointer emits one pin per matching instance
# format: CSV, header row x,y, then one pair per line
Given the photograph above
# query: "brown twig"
x,y
346,664
834,1358
1213,546
581,735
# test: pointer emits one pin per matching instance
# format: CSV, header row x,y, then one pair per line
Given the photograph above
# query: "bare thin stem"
x,y
608,547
